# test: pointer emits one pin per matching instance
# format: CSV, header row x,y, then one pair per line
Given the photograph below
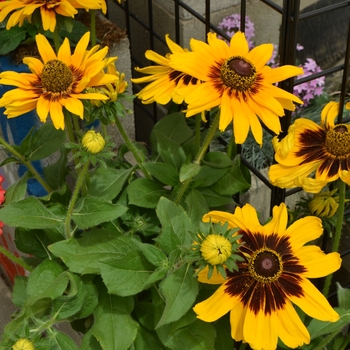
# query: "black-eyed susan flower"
x,y
165,82
312,155
216,249
239,81
23,344
324,204
57,81
271,278
93,141
23,9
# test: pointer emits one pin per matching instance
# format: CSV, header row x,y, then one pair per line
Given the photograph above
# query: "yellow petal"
x,y
278,222
216,306
45,49
314,303
239,45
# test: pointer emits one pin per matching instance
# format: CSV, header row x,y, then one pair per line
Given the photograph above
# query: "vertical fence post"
x,y
287,55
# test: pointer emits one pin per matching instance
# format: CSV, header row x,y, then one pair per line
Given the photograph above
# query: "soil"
x,y
107,33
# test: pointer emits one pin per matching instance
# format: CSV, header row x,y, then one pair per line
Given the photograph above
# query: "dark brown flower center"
x,y
238,73
338,140
56,76
265,265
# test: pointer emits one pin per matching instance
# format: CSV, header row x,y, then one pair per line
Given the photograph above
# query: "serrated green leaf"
x,y
213,199
113,326
208,176
163,172
92,211
179,291
10,39
145,193
17,190
188,171
217,160
29,213
127,275
108,183
83,255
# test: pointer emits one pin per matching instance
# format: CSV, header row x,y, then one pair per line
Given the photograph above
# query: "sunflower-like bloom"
x,y
57,81
93,141
239,81
23,9
271,278
90,5
308,148
165,82
23,344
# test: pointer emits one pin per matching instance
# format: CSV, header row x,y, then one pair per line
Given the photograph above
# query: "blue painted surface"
x,y
19,126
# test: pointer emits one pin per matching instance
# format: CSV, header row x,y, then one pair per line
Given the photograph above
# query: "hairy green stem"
x,y
197,135
232,147
338,230
15,259
93,27
28,164
78,186
131,146
200,155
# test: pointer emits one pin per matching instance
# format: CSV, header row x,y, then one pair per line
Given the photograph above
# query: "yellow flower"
x,y
324,205
273,275
57,81
165,82
90,5
93,141
311,148
23,344
216,249
23,9
238,81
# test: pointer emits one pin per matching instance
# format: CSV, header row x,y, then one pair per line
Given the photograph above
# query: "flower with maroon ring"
x,y
311,148
273,274
239,81
165,82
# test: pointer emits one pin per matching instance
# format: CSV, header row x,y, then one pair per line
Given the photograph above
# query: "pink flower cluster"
x,y
305,91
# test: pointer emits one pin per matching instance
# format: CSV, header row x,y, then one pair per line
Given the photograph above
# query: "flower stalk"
x,y
200,155
131,146
78,186
28,164
15,259
338,230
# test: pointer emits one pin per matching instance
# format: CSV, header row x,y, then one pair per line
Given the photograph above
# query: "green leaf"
x,y
188,171
17,190
170,151
208,176
174,127
55,174
48,280
176,226
10,39
19,294
217,160
145,193
343,297
83,255
113,326
56,341
198,335
152,253
127,275
108,183
45,141
33,242
90,342
223,340
146,340
318,328
196,206
233,182
163,172
213,199
29,213
92,211
179,291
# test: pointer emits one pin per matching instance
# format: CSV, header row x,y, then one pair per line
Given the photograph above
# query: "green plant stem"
x,y
93,27
345,342
338,230
200,155
232,147
15,259
28,164
197,135
78,186
131,146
